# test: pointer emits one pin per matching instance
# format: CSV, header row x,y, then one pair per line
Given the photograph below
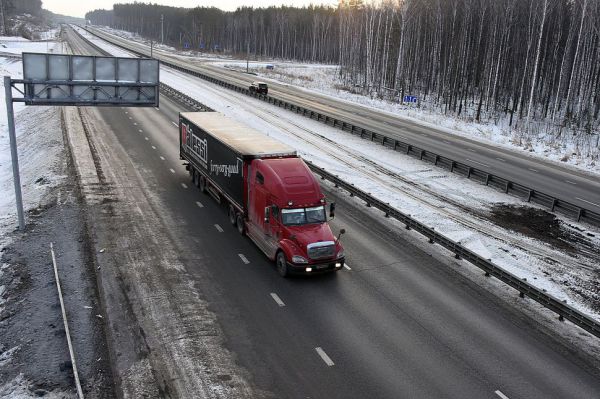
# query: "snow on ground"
x,y
324,79
454,206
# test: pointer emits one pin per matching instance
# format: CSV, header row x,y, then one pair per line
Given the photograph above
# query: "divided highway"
x,y
561,182
399,323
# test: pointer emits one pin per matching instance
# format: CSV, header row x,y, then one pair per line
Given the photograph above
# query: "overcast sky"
x,y
78,8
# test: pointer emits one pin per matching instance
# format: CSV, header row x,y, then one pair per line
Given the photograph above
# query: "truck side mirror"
x,y
342,231
332,210
267,214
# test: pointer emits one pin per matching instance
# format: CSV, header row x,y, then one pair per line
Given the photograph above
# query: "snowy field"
x,y
454,206
324,80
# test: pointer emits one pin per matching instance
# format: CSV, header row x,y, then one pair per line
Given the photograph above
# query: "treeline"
x,y
522,61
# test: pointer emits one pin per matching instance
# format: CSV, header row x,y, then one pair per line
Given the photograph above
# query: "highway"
x,y
562,182
401,323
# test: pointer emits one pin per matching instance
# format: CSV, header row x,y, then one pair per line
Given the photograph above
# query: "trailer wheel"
x,y
282,266
202,183
232,215
196,178
241,226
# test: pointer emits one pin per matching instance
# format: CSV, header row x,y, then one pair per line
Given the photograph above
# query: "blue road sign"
x,y
410,99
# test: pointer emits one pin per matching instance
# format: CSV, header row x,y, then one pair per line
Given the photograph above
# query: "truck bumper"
x,y
317,268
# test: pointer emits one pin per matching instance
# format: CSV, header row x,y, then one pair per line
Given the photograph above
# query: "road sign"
x,y
410,99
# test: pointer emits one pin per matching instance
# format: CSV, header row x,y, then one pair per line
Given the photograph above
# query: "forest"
x,y
532,65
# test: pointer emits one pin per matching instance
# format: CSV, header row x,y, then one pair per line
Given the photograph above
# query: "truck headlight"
x,y
299,259
340,254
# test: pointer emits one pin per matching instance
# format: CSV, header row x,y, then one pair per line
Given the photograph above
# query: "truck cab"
x,y
287,217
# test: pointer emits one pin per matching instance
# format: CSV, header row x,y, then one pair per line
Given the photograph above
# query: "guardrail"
x,y
489,179
563,310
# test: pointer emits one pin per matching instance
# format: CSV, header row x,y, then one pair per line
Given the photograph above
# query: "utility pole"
x,y
248,57
13,150
162,30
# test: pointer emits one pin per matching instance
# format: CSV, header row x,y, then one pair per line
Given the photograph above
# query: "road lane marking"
x,y
570,182
219,228
199,204
140,130
161,157
533,170
153,147
470,160
172,171
156,108
244,259
278,300
346,266
500,159
589,202
472,150
126,112
130,117
447,142
175,123
134,124
324,356
146,138
503,396
183,185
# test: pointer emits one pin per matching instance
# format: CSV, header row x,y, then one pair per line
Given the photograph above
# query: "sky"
x,y
78,8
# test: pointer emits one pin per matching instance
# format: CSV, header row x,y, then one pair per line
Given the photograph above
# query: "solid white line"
x,y
570,182
324,356
278,300
243,258
533,170
346,266
175,123
183,185
153,147
219,228
172,171
161,157
470,160
589,202
503,396
199,204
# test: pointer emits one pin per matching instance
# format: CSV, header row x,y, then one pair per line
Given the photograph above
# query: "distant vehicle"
x,y
271,195
270,66
259,87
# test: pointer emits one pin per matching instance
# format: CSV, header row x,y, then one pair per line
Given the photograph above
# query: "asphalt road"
x,y
399,324
559,181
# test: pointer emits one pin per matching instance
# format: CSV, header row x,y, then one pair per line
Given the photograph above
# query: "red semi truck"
x,y
271,195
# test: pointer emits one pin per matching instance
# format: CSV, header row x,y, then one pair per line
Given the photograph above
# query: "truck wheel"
x,y
232,215
196,177
202,183
282,266
241,226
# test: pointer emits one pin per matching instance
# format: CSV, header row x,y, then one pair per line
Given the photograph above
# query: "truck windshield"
x,y
294,217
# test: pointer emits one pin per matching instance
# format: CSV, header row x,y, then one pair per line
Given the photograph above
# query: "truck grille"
x,y
321,250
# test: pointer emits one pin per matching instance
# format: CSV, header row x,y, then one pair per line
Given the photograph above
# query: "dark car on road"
x,y
259,87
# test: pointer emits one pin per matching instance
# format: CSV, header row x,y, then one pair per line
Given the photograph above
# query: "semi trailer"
x,y
270,193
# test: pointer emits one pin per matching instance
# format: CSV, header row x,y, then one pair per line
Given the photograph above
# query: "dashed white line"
x,y
470,160
175,123
126,112
199,204
162,158
278,300
146,138
446,141
500,159
156,108
346,266
140,130
183,185
589,202
503,396
130,117
219,228
244,259
153,147
571,182
533,170
172,171
134,124
472,150
324,356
